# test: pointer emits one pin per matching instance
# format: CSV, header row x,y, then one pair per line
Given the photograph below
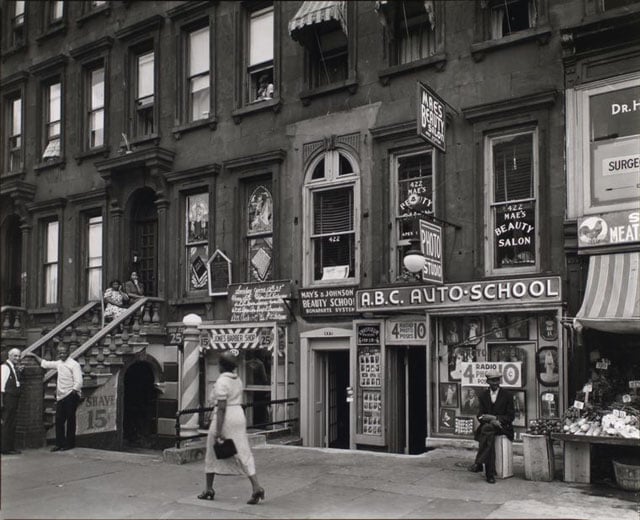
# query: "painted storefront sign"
x,y
406,332
515,234
234,338
260,301
327,301
620,227
478,294
98,412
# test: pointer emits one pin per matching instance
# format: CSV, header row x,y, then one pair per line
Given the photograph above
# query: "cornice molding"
x,y
88,196
14,80
394,130
156,157
144,26
501,108
49,65
257,160
191,174
95,47
188,8
18,189
46,205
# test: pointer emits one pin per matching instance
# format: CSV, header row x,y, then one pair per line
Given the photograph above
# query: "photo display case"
x,y
370,384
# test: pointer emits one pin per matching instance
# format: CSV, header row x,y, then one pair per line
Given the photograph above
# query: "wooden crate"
x,y
504,457
538,457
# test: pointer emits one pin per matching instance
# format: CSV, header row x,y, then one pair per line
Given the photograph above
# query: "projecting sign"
x,y
431,245
431,117
620,227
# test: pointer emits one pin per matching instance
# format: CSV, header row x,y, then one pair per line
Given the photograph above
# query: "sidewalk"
x,y
299,483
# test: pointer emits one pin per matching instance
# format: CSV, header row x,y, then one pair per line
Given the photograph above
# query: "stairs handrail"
x,y
59,328
5,308
104,331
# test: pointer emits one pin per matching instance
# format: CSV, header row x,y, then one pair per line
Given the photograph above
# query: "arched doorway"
x,y
11,260
144,240
140,406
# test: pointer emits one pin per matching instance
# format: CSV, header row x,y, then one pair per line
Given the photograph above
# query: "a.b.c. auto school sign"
x,y
481,294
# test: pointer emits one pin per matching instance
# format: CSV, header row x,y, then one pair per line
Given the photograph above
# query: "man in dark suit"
x,y
134,288
496,417
10,396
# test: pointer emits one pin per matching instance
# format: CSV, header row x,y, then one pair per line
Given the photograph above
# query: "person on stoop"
x,y
68,391
229,422
496,417
10,390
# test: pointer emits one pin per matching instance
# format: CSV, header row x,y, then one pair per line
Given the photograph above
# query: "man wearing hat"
x,y
496,416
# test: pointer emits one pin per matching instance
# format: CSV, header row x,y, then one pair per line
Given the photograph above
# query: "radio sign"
x,y
431,117
431,244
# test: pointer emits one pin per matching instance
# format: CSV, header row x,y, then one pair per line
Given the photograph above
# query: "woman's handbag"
x,y
224,449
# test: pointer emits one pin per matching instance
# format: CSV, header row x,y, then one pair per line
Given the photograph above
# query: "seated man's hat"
x,y
493,374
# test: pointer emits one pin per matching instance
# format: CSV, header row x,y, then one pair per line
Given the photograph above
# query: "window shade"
x,y
332,211
513,168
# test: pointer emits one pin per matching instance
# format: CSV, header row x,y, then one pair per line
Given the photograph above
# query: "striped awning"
x,y
311,14
612,296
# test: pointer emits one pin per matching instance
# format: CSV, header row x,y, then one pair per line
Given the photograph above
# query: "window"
x,y
511,16
328,58
144,93
260,72
513,165
413,31
50,271
413,197
56,11
197,241
53,121
198,79
18,31
332,191
95,108
259,232
14,133
93,265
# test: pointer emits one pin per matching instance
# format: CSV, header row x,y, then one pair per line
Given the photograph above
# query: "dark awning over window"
x,y
312,14
612,297
385,9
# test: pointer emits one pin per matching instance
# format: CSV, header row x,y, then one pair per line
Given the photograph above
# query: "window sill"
x,y
437,61
153,139
191,300
258,106
18,175
338,282
542,34
349,84
43,311
105,9
14,50
103,150
212,123
59,163
52,31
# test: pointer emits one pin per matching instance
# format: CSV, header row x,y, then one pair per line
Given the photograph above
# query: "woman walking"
x,y
229,422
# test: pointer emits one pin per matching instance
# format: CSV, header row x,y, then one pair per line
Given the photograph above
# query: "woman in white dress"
x,y
229,422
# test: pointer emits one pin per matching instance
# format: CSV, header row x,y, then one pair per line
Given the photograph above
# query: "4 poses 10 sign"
x,y
474,373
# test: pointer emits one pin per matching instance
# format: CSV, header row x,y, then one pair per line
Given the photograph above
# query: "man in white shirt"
x,y
68,391
10,391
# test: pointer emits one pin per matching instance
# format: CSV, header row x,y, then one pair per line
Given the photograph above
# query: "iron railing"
x,y
180,413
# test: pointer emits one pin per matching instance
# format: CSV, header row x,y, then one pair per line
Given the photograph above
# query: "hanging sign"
x,y
620,227
431,246
219,273
431,117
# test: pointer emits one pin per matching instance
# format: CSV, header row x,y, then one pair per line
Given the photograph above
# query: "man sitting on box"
x,y
496,416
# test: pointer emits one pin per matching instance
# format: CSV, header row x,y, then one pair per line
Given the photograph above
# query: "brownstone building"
x,y
258,164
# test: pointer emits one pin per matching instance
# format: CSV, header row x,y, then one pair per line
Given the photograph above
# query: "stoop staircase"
x,y
100,350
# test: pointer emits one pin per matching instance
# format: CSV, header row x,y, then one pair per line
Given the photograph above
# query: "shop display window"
x,y
370,384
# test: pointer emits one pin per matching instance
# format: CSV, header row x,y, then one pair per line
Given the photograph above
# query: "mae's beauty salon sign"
x,y
481,294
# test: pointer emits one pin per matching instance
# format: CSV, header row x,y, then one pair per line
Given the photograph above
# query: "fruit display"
x,y
544,426
614,422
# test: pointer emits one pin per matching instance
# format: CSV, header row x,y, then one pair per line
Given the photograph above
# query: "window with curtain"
x,y
93,260
414,35
95,109
50,271
413,198
259,231
513,200
328,57
14,132
511,16
198,80
332,225
145,93
196,240
259,54
53,121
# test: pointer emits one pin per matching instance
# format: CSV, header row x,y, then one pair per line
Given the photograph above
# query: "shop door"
x,y
407,399
331,410
144,245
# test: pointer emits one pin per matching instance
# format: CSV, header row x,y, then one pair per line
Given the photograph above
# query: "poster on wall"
x,y
463,426
457,356
449,395
98,412
549,403
547,366
470,404
447,420
548,327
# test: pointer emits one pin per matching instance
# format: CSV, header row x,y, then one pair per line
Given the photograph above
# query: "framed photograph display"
x,y
472,328
457,356
452,333
549,403
520,406
517,327
496,327
547,366
470,402
548,327
509,352
449,395
370,384
447,420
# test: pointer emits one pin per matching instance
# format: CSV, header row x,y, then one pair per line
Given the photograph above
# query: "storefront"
x,y
419,371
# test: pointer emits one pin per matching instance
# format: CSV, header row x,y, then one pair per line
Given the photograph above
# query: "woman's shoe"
x,y
207,495
255,497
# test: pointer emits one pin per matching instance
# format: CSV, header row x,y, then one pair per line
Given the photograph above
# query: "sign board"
x,y
175,335
219,273
473,373
368,335
478,294
98,412
431,117
431,246
406,332
260,302
327,301
236,338
620,227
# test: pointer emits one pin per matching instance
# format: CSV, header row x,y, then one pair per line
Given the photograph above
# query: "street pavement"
x,y
299,483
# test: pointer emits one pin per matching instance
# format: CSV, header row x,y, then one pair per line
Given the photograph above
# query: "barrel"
x,y
627,474
538,457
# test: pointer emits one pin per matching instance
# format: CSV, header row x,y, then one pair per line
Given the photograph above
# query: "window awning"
x,y
312,14
385,10
612,296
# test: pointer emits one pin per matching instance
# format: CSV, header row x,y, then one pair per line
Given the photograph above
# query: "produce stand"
x,y
577,453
